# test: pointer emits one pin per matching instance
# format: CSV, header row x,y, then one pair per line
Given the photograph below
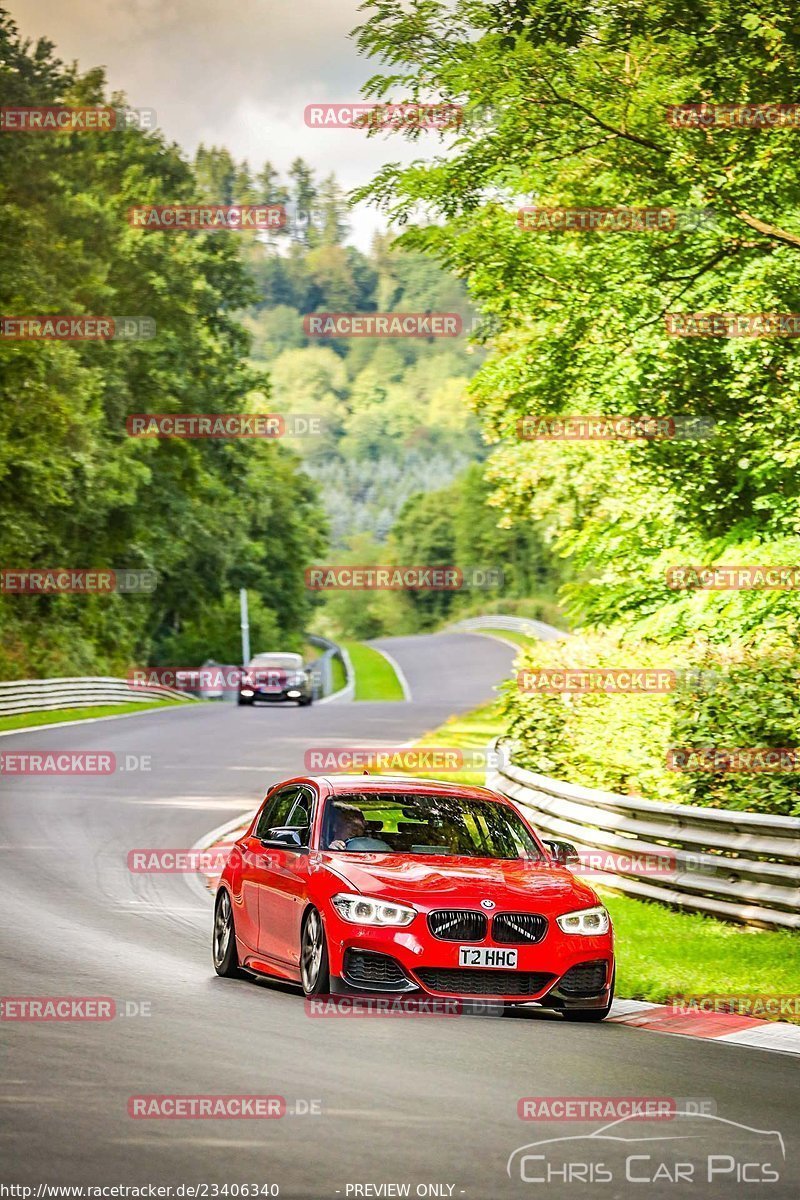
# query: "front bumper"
x,y
561,971
265,696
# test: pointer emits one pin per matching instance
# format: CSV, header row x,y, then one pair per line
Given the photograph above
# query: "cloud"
x,y
235,75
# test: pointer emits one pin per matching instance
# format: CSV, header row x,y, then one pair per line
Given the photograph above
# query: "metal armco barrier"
x,y
40,695
322,669
537,629
738,866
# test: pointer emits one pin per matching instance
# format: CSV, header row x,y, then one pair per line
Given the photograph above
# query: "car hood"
x,y
433,882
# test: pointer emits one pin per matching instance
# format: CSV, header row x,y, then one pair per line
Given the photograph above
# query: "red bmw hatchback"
x,y
370,885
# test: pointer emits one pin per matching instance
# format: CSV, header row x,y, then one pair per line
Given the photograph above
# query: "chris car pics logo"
x,y
692,1149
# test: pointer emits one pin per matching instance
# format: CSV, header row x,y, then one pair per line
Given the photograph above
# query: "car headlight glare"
x,y
365,910
587,921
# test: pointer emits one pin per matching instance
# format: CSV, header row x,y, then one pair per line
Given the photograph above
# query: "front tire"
x,y
224,952
314,967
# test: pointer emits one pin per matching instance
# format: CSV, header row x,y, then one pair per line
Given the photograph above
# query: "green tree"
x,y
570,110
75,489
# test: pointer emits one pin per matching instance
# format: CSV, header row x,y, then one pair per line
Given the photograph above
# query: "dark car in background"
x,y
274,678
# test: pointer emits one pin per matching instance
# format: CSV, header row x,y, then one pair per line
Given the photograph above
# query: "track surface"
x,y
416,1101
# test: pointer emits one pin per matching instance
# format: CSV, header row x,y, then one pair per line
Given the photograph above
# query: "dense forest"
x,y
209,517
75,491
394,413
398,459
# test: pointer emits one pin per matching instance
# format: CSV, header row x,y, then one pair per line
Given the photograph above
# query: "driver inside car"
x,y
350,830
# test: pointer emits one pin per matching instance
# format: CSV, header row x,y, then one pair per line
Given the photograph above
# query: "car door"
x,y
284,889
255,868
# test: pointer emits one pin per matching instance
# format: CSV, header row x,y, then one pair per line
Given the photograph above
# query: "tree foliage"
x,y
566,107
75,490
572,113
394,413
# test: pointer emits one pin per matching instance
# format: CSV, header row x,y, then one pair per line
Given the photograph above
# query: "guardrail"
x,y
322,669
41,695
537,629
738,866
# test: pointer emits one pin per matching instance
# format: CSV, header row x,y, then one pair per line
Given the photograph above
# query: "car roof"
x,y
276,654
344,784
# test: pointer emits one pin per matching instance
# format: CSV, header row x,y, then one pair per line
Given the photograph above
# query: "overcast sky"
x,y
235,74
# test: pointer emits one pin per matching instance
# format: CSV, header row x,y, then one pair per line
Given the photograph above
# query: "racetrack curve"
x,y
417,1101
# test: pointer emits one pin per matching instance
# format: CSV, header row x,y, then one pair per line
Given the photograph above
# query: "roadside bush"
x,y
724,698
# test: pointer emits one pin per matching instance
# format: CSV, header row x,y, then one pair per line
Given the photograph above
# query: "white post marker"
x,y
245,626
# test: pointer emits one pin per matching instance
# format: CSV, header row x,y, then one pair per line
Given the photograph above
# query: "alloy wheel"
x,y
311,957
223,927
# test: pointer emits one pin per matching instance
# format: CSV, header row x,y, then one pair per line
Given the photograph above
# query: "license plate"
x,y
487,956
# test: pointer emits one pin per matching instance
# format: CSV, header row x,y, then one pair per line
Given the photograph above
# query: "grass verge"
x,y
338,676
470,731
375,676
56,715
662,953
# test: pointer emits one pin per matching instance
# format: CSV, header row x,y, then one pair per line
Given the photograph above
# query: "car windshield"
x,y
280,662
409,823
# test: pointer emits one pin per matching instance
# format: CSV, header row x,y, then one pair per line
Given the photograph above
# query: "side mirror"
x,y
564,853
284,836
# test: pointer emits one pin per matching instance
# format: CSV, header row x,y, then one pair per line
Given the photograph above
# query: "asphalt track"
x,y
403,1101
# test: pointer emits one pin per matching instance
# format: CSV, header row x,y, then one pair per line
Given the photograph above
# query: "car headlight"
x,y
365,910
587,921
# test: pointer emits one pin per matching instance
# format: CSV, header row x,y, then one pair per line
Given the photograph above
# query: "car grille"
x,y
584,979
369,969
512,929
463,981
457,925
